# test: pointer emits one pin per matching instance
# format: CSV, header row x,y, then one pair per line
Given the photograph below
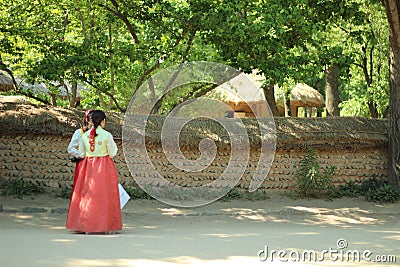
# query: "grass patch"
x,y
374,190
20,187
235,193
137,193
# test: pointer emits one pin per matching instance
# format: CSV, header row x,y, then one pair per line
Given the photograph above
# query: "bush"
x,y
372,184
234,193
20,188
382,194
350,189
311,182
374,190
137,193
257,195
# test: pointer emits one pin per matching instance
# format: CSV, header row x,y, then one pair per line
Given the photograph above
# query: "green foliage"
x,y
64,193
257,195
137,193
112,50
354,106
234,193
382,194
350,189
311,182
367,80
374,190
20,188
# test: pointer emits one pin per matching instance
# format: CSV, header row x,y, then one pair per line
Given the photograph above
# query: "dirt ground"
x,y
276,232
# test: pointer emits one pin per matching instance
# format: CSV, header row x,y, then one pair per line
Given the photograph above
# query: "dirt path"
x,y
236,233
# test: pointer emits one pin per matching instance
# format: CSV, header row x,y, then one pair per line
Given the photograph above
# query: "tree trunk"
x,y
286,103
102,102
53,99
74,90
392,12
332,91
270,97
112,81
373,109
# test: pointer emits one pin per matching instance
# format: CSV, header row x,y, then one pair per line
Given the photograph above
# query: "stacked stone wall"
x,y
43,158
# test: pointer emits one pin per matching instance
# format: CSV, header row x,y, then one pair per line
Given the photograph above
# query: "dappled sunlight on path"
x,y
219,234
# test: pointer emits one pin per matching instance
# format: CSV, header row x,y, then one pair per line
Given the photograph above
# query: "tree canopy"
x,y
107,49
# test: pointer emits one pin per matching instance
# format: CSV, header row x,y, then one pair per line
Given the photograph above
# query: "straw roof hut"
x,y
243,95
302,95
14,99
6,83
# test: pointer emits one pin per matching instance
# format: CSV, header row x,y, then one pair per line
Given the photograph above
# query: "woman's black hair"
x,y
97,117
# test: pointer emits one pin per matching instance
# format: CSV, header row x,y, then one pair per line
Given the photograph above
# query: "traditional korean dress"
x,y
95,205
73,150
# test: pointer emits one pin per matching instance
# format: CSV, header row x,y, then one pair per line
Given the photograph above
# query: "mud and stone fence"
x,y
34,140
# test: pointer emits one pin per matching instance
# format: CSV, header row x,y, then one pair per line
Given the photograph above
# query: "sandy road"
x,y
220,234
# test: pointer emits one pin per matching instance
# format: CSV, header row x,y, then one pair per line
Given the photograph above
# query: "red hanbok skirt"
x,y
95,206
76,173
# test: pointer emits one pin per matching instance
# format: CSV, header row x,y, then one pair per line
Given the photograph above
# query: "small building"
x,y
302,95
244,96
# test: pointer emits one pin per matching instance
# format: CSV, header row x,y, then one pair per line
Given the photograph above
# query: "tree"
x,y
369,51
162,33
364,88
13,46
261,35
279,38
49,43
393,15
332,91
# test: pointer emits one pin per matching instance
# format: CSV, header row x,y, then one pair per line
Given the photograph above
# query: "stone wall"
x,y
34,140
44,159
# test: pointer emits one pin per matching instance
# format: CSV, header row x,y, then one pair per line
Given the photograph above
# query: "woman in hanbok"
x,y
95,204
73,146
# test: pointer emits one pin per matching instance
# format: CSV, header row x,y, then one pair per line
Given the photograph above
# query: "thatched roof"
x,y
41,87
303,95
16,118
6,83
14,99
343,132
242,88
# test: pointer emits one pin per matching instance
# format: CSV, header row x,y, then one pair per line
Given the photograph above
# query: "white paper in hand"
x,y
123,196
